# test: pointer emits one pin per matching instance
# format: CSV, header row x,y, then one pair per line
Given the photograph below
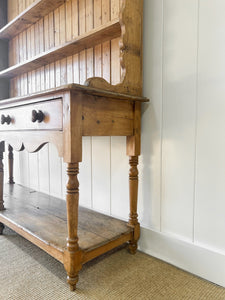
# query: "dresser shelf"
x,y
95,36
42,219
31,15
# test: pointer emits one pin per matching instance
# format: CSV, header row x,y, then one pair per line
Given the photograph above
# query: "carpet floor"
x,y
28,273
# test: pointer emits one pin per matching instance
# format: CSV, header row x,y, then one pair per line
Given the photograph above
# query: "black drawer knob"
x,y
37,116
5,119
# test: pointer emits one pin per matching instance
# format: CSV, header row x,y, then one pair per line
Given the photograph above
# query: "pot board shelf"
x,y
42,219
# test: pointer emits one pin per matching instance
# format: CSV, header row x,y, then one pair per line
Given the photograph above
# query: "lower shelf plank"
x,y
42,219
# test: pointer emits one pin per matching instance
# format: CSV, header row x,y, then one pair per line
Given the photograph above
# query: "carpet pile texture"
x,y
28,273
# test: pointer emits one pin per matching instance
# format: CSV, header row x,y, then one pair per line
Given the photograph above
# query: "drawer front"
x,y
20,118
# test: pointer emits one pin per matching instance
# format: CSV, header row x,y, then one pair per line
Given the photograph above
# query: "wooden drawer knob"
x,y
5,119
37,116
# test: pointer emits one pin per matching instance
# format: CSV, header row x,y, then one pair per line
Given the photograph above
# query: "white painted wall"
x,y
182,167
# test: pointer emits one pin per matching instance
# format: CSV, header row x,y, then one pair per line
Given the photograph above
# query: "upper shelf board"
x,y
98,35
29,16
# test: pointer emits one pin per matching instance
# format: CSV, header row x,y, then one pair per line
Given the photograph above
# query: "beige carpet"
x,y
28,273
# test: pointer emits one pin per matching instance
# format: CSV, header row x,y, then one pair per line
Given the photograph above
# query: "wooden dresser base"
x,y
42,219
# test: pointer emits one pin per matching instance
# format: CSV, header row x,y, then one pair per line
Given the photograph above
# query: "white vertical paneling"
x,y
43,157
24,168
179,116
85,176
33,171
150,160
210,183
100,158
16,167
101,174
55,172
64,178
119,178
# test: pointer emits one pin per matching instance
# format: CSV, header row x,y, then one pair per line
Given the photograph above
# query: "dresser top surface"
x,y
75,88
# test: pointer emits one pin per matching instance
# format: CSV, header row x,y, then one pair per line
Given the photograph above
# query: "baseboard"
x,y
193,258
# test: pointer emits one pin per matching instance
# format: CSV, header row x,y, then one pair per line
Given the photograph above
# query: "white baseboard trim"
x,y
195,259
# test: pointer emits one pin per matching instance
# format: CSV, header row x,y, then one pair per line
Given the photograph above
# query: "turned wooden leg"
x,y
2,149
73,255
133,189
2,226
10,162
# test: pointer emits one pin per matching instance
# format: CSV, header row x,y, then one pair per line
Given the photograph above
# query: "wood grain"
x,y
50,212
27,17
93,37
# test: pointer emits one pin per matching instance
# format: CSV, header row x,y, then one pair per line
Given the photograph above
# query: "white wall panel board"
x,y
64,178
101,173
33,171
55,171
16,167
179,116
85,176
150,160
201,261
24,168
210,184
43,158
119,178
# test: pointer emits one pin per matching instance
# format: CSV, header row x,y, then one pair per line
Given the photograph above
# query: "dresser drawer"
x,y
41,116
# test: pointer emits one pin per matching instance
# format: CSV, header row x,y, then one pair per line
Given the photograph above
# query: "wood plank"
x,y
69,69
102,117
41,35
46,32
68,20
12,10
105,11
89,15
75,29
57,93
29,16
76,72
51,30
94,37
56,27
97,13
43,218
62,24
83,73
82,19
115,8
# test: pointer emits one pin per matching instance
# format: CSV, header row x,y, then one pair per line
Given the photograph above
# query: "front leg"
x,y
73,255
